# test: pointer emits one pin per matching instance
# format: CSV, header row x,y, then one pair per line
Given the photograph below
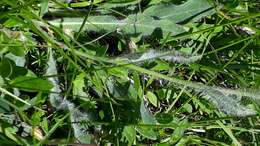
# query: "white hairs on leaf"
x,y
227,103
77,116
168,55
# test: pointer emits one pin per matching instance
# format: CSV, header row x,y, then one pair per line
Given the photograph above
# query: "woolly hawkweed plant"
x,y
226,100
127,110
173,56
227,103
78,117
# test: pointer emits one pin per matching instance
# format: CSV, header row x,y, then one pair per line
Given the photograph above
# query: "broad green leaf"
x,y
45,125
78,85
10,132
152,98
18,51
101,114
183,141
188,108
133,25
164,118
11,23
129,134
147,118
6,68
44,7
179,131
132,93
147,132
36,118
161,65
118,72
31,83
180,13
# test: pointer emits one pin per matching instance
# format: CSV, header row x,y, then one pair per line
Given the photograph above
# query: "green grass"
x,y
133,72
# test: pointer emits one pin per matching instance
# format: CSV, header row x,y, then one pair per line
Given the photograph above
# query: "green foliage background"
x,y
129,72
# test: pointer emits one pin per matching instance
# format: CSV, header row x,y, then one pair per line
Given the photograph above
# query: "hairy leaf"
x,y
227,103
55,99
147,118
31,83
133,24
78,118
169,55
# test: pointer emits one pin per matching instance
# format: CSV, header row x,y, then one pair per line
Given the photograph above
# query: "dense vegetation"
x,y
129,72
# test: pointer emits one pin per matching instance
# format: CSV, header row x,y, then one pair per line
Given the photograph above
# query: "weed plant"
x,y
129,72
